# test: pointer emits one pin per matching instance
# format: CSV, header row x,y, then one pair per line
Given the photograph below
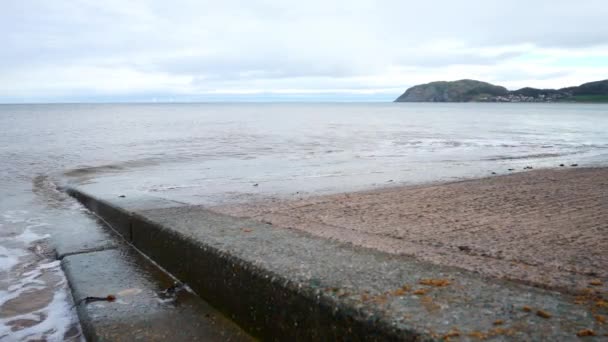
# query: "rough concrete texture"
x,y
86,235
281,284
98,263
81,237
548,228
117,214
138,313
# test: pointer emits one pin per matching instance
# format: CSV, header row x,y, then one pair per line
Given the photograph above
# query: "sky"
x,y
355,50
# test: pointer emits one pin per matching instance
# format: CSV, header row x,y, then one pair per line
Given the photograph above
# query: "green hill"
x,y
477,91
456,91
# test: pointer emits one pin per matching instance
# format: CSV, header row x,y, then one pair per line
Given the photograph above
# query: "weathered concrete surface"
x,y
82,237
283,284
116,213
98,262
85,235
546,227
138,312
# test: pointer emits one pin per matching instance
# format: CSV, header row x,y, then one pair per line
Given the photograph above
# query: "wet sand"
x,y
548,228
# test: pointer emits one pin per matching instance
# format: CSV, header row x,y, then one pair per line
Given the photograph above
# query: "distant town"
x,y
524,98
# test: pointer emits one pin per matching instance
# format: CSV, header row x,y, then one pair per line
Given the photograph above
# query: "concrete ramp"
x,y
281,284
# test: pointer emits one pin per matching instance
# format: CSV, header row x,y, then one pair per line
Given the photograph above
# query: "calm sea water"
x,y
216,153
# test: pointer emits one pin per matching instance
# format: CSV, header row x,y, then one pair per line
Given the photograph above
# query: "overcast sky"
x,y
81,50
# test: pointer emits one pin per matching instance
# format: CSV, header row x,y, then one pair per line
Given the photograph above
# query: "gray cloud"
x,y
189,46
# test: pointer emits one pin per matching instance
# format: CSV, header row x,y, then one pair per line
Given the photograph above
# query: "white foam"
x,y
25,282
26,274
14,216
28,236
58,315
9,258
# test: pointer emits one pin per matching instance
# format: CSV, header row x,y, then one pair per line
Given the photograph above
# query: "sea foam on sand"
x,y
34,300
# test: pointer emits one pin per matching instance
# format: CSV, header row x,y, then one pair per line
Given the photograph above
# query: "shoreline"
x,y
516,227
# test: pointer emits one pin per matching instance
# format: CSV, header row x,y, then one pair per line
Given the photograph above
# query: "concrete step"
x,y
98,263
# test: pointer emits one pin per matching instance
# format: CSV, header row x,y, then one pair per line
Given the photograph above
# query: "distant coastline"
x,y
478,91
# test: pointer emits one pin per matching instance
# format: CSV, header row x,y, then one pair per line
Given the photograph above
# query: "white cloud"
x,y
118,48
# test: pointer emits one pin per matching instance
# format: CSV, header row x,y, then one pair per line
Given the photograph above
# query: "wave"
x,y
529,156
114,167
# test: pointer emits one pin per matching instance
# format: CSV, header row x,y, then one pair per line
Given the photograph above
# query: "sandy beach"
x,y
547,228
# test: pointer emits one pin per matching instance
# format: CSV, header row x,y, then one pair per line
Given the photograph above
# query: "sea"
x,y
220,153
